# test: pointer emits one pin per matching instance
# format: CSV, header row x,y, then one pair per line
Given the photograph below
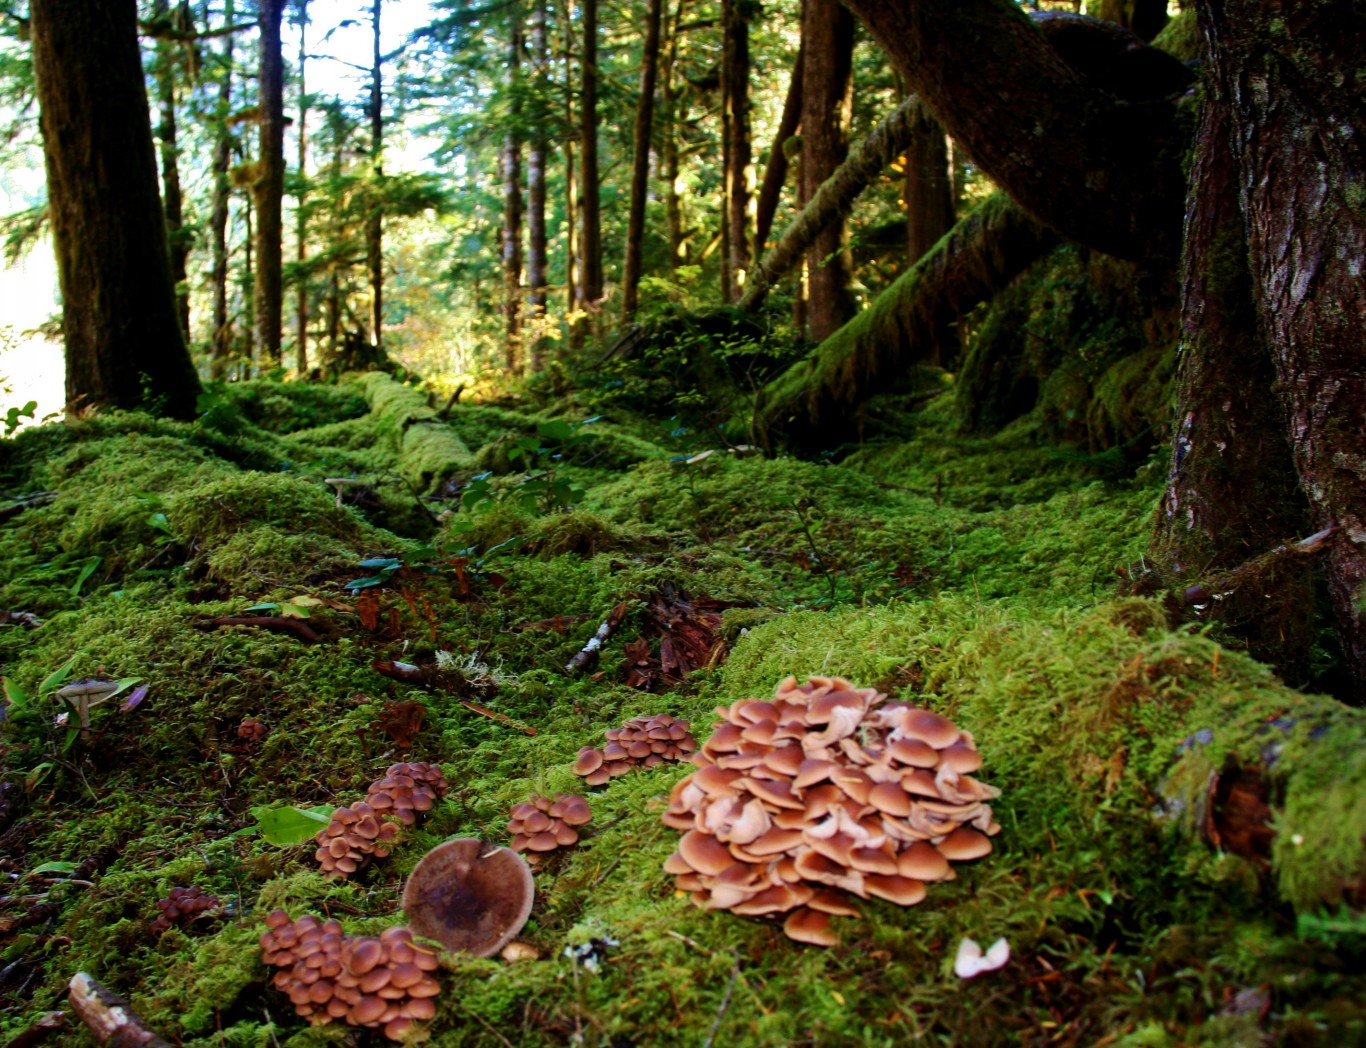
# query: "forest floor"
x,y
973,576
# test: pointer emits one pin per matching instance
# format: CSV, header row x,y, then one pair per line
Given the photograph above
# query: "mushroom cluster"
x,y
640,742
377,981
181,907
541,825
824,790
360,831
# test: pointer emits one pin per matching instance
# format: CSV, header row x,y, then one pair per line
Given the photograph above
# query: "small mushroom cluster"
x,y
823,789
362,830
640,742
181,907
377,981
541,825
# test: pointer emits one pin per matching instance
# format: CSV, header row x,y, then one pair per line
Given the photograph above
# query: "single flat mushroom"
x,y
469,896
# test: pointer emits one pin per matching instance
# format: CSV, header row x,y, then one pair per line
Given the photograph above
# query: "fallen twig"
x,y
1222,586
590,650
725,1003
276,623
109,1016
410,673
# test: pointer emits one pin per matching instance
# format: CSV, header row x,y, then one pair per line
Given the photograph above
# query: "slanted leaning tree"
x,y
124,346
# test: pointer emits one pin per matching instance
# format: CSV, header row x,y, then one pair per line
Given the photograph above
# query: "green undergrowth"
x,y
973,575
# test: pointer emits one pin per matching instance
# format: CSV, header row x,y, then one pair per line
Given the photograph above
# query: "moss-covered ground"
x,y
974,575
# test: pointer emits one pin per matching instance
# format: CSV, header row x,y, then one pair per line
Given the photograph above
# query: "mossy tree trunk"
x,y
827,101
511,166
269,187
590,240
1295,113
173,198
815,403
535,190
218,212
124,346
737,172
374,223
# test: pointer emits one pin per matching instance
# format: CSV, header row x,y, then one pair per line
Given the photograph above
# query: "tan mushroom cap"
x,y
929,727
964,844
469,896
810,926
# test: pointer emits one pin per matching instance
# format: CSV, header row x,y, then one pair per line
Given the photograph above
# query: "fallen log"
x,y
429,451
815,402
109,1016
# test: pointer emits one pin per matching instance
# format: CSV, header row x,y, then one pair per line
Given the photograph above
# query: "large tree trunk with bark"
x,y
512,209
1100,168
640,163
301,212
737,173
269,187
218,217
815,403
833,198
172,196
535,192
374,224
590,242
827,67
124,346
775,171
1231,490
1295,119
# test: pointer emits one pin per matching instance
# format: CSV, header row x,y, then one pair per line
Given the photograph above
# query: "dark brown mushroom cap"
x,y
469,896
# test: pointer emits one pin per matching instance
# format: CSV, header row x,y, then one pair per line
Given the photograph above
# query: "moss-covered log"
x,y
817,401
429,452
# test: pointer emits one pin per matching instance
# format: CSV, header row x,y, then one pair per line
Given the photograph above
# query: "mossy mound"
x,y
969,575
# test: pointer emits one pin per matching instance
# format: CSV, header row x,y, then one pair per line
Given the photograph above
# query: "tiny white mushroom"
x,y
971,961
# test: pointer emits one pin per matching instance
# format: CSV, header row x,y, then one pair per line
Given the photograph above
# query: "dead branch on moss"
x,y
445,681
815,402
589,651
109,1016
1254,571
275,623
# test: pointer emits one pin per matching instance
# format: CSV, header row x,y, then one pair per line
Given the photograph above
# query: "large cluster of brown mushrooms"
x,y
367,829
825,790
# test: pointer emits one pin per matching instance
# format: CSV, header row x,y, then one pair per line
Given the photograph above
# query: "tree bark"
x,y
124,346
1101,170
218,217
827,66
775,171
590,242
834,197
512,209
737,172
669,158
1144,17
173,198
814,403
1295,115
269,187
301,212
374,223
928,187
536,198
640,163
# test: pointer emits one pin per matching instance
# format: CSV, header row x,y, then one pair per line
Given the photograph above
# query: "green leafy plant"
x,y
285,827
14,416
541,488
385,568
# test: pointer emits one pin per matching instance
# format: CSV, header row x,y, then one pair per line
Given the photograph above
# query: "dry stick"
x,y
412,674
595,643
725,1003
278,624
886,142
109,1016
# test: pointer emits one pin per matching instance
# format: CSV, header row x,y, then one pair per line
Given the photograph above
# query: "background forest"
x,y
455,394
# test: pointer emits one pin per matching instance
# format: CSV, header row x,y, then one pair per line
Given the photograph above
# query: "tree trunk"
x,y
1231,491
1103,171
828,52
775,172
512,209
833,198
738,174
1144,17
640,162
124,346
928,188
374,223
218,218
814,403
301,214
669,160
536,201
590,243
1295,115
178,236
269,187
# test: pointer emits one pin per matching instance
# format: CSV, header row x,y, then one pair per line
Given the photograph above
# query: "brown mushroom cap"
x,y
469,895
810,926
